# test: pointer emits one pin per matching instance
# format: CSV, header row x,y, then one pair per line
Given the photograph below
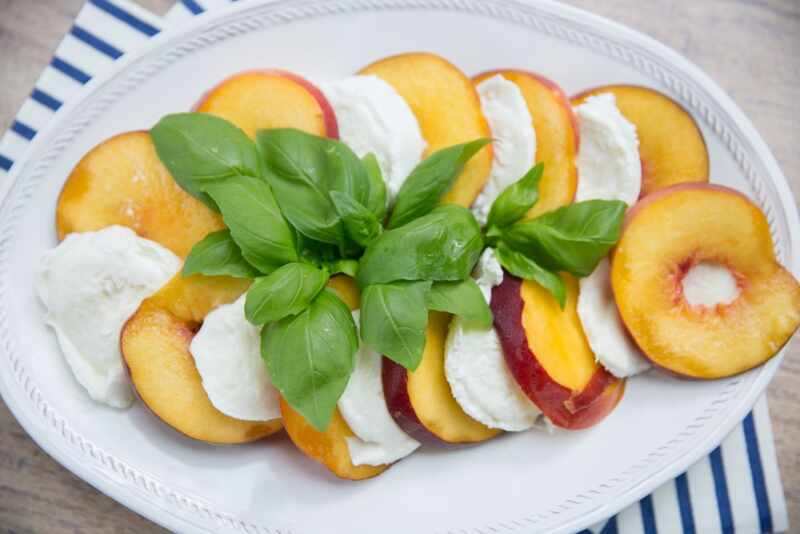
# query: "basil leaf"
x,y
515,200
431,179
443,245
198,148
297,168
310,357
346,173
348,267
360,224
218,255
376,202
287,291
573,238
522,266
255,221
463,298
393,320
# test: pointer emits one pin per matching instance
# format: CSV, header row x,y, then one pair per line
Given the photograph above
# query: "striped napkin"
x,y
737,488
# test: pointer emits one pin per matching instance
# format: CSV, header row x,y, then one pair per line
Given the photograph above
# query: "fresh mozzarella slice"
x,y
374,118
608,158
227,353
476,368
378,440
514,139
90,284
605,332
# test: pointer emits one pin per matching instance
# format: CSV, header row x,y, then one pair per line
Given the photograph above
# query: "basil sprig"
x,y
573,238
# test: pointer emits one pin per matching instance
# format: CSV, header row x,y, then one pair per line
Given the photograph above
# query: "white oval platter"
x,y
531,482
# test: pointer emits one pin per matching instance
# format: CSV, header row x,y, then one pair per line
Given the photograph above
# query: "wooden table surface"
x,y
750,47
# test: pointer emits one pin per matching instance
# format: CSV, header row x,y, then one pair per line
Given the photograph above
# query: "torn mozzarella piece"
x,y
373,117
476,368
514,139
378,439
227,354
605,332
90,284
608,158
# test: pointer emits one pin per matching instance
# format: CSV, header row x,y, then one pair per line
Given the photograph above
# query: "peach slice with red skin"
x,y
668,233
556,136
330,447
262,99
671,145
448,110
122,181
155,347
421,401
548,354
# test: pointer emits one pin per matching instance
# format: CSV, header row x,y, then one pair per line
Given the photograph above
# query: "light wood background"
x,y
750,47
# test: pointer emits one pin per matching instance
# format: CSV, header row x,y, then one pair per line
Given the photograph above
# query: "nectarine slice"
x,y
548,354
556,136
262,99
422,400
155,346
448,110
329,447
122,181
666,237
671,145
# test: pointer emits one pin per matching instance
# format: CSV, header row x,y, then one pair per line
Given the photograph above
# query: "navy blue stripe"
x,y
193,6
70,70
685,504
23,129
648,515
610,527
120,14
721,489
95,42
757,471
585,531
5,163
45,99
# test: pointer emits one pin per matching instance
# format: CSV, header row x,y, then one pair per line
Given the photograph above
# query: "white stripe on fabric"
x,y
83,56
769,460
34,115
740,483
178,14
14,146
667,511
57,84
113,30
701,488
629,520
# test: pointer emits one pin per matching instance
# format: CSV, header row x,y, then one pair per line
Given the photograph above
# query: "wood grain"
x,y
750,47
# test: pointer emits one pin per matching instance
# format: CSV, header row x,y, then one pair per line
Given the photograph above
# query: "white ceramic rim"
x,y
145,504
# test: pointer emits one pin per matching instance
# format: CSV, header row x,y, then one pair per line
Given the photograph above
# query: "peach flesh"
x,y
661,242
565,407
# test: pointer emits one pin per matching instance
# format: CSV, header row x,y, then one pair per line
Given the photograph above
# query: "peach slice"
x,y
671,145
556,136
421,401
155,346
122,181
669,234
448,110
261,99
548,354
330,447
